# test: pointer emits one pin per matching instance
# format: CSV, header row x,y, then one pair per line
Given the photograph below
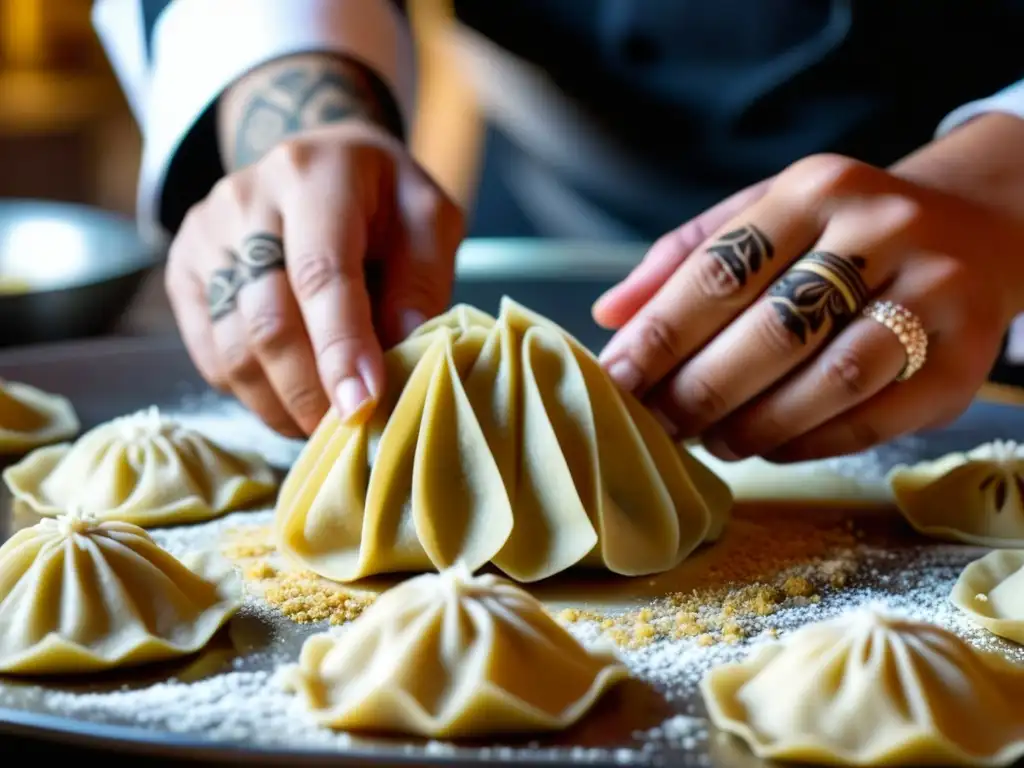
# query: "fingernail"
x,y
411,319
666,423
625,374
353,400
716,446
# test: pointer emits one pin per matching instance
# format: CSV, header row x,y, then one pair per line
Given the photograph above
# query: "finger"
x,y
617,305
245,375
815,299
900,408
708,290
187,296
273,323
418,274
325,241
863,360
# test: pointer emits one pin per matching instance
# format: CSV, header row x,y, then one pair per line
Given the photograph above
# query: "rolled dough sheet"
x,y
839,481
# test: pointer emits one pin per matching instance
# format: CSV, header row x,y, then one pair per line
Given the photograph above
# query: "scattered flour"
x,y
230,424
244,704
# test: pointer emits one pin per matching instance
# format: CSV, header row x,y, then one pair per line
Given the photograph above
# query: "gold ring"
x,y
907,328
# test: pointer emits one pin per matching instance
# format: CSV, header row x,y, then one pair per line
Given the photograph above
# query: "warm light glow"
x,y
22,24
42,252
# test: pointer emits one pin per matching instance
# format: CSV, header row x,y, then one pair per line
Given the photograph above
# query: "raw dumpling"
x,y
451,655
872,689
30,418
991,592
497,441
975,497
144,469
79,595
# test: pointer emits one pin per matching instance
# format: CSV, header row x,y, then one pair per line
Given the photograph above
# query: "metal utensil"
x,y
66,271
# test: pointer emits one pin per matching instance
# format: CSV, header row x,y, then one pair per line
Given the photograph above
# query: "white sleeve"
x,y
200,47
1010,100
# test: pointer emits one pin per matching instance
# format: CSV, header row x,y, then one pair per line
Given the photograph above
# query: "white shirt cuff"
x,y
200,47
1010,101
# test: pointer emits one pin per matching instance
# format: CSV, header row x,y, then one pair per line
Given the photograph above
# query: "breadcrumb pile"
x,y
722,593
301,596
760,567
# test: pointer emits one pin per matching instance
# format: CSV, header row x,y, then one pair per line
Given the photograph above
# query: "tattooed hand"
x,y
268,275
791,320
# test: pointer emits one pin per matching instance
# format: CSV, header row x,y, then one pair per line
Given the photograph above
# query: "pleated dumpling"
x,y
991,592
450,655
975,497
30,417
869,688
79,595
143,468
497,441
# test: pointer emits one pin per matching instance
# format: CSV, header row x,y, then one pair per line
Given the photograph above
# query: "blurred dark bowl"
x,y
66,271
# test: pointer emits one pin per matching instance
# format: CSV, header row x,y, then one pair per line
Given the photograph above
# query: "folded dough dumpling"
x,y
975,497
79,595
868,688
497,441
30,417
991,592
143,468
451,655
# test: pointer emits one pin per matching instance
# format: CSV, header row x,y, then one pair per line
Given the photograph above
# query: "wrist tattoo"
x,y
306,96
742,252
820,290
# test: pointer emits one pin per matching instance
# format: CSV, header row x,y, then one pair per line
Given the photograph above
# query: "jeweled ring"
x,y
907,328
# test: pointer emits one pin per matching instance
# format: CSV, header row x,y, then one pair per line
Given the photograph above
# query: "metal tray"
x,y
108,378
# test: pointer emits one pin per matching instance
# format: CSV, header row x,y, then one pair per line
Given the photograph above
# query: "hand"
x,y
267,275
725,336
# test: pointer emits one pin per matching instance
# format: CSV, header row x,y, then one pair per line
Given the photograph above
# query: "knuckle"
x,y
287,158
824,175
771,333
240,363
268,329
712,278
230,192
312,273
844,370
305,402
699,398
658,339
862,435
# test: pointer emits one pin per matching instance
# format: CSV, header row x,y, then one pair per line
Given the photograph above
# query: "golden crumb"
x,y
304,597
981,598
259,571
246,551
798,586
770,564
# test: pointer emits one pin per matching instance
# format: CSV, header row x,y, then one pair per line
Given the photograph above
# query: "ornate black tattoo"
x,y
306,96
742,251
261,253
819,289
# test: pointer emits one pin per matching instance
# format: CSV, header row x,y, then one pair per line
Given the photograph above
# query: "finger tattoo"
x,y
742,251
821,290
261,253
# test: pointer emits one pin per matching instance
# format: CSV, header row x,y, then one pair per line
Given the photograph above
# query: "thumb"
x,y
619,303
419,273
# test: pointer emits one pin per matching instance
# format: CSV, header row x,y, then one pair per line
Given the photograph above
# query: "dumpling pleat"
x,y
556,490
390,540
460,506
638,526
